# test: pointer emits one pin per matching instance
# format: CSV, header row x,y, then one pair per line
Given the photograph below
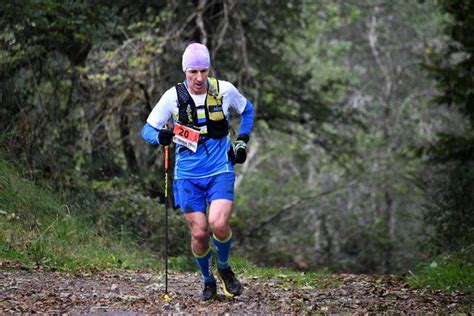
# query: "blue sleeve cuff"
x,y
150,134
246,123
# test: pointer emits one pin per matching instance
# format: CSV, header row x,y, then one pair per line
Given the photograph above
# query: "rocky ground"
x,y
132,293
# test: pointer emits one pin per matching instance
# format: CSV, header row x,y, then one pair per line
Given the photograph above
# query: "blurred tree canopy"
x,y
449,178
349,165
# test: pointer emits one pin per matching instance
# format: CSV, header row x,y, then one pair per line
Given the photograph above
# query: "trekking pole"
x,y
166,297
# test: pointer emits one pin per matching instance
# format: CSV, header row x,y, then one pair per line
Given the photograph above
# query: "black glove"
x,y
165,136
240,148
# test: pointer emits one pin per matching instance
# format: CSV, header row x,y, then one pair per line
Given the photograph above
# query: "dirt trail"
x,y
135,293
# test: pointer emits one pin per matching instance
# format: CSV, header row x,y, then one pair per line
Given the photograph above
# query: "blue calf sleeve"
x,y
204,264
223,251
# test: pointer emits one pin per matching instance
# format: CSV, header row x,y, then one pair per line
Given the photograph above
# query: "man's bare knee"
x,y
220,228
200,237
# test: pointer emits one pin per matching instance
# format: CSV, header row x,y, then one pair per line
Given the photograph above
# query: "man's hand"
x,y
240,149
165,136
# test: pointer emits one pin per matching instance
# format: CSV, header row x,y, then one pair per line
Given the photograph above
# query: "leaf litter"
x,y
138,293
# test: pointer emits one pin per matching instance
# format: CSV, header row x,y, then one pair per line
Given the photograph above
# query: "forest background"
x,y
362,155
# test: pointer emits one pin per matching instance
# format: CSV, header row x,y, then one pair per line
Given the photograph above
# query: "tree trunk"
x,y
127,147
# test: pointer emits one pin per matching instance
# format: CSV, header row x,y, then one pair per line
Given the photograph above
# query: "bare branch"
x,y
373,46
223,26
297,202
199,21
243,45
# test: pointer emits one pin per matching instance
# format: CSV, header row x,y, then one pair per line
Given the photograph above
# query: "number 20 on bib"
x,y
186,136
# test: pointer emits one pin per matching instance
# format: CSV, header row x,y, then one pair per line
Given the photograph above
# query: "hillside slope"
x,y
37,228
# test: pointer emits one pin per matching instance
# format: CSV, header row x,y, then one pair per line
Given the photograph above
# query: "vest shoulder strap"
x,y
183,94
187,109
213,86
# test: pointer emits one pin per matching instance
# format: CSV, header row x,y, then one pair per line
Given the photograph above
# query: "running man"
x,y
199,110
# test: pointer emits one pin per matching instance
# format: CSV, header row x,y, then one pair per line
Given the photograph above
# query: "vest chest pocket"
x,y
216,112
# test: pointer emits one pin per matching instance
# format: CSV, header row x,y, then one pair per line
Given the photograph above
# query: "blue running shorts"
x,y
193,195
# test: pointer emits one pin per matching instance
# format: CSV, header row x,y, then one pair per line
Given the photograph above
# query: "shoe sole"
x,y
210,299
224,289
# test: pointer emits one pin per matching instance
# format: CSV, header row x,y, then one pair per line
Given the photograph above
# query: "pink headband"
x,y
196,56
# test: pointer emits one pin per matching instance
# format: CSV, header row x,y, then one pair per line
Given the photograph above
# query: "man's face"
x,y
197,80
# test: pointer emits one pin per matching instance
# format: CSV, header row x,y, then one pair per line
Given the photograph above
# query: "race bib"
x,y
186,136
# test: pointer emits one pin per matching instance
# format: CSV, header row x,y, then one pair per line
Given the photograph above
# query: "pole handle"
x,y
166,158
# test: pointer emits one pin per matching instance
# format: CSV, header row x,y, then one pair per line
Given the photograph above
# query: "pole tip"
x,y
166,298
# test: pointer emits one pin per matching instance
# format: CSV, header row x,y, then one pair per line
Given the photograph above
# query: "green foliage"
x,y
125,211
33,29
454,272
184,262
264,226
452,65
37,229
448,180
284,277
449,206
